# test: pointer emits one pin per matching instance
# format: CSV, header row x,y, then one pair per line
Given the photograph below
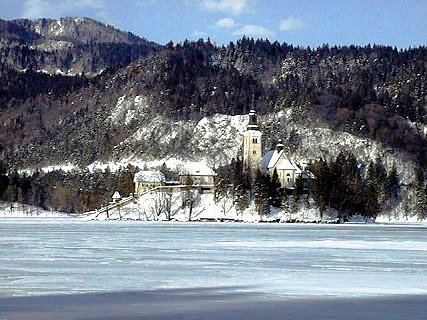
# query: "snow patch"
x,y
128,109
66,167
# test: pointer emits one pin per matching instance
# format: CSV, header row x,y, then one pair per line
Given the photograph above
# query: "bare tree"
x,y
159,203
168,209
223,197
188,196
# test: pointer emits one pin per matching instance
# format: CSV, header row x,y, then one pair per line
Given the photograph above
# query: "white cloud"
x,y
291,24
199,34
256,31
142,3
226,23
54,9
228,6
37,9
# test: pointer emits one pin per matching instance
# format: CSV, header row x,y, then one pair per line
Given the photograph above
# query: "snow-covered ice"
x,y
55,256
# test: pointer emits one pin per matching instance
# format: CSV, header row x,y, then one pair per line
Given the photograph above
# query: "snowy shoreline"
x,y
208,212
85,219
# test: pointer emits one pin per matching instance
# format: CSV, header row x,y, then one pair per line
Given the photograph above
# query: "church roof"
x,y
285,164
277,159
265,160
149,176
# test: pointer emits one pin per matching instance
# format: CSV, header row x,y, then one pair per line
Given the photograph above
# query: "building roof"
x,y
285,164
149,176
116,195
297,167
265,160
197,169
277,159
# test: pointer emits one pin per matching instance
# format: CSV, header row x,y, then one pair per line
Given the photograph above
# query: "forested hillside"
x,y
68,46
138,100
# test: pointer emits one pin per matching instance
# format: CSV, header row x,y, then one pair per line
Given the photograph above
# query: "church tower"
x,y
252,144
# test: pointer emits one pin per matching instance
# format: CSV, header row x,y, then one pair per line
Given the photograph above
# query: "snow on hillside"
x,y
66,167
51,45
128,109
217,139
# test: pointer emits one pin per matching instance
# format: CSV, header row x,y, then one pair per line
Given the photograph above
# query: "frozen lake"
x,y
57,256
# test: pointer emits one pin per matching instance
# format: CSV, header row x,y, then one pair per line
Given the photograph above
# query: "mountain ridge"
x,y
68,46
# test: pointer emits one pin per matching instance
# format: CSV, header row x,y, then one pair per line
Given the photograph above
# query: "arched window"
x,y
254,140
254,152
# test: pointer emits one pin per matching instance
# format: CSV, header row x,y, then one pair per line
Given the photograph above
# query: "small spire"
x,y
253,125
279,145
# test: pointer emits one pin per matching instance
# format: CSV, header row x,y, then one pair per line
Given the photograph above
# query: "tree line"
x,y
72,192
245,186
344,183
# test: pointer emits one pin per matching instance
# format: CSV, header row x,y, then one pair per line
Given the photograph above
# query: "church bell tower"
x,y
252,144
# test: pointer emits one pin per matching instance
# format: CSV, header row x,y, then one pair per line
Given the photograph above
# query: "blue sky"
x,y
299,22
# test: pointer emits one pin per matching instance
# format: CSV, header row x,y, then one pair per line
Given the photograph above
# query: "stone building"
x,y
288,170
199,174
146,180
252,147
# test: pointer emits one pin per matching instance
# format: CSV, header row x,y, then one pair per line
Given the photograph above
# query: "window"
x,y
254,152
254,140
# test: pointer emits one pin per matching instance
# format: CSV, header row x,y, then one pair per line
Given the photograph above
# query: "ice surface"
x,y
54,256
217,303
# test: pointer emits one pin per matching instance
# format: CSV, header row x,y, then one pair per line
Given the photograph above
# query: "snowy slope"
x,y
206,208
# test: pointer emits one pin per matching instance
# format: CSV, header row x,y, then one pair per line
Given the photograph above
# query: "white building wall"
x,y
252,149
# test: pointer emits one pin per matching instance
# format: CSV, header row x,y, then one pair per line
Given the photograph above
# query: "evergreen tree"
x,y
4,180
241,186
420,194
12,190
260,193
275,190
381,180
371,192
321,184
392,185
297,192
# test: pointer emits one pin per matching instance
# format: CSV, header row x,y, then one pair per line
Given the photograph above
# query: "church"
x,y
288,171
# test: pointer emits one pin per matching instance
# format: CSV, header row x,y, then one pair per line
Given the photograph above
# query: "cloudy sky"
x,y
400,23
